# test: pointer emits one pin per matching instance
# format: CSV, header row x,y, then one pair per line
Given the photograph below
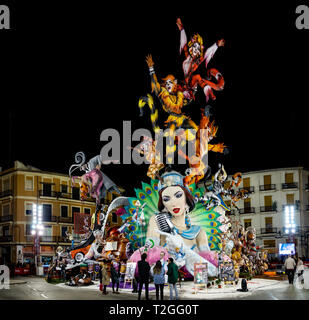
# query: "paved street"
x,y
36,288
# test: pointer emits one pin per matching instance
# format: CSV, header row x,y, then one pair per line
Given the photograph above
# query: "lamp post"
x,y
37,231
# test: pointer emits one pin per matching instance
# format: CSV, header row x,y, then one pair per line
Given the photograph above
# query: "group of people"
x,y
105,278
145,271
291,266
158,272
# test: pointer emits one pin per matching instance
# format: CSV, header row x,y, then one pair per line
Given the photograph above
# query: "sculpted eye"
x,y
178,194
165,199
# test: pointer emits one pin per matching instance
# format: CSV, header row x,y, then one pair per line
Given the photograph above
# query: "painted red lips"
x,y
176,210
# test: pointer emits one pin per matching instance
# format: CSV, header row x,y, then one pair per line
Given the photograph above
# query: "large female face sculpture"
x,y
174,200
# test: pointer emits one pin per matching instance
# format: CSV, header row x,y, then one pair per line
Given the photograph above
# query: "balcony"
x,y
48,239
267,187
249,189
292,185
66,219
268,209
247,210
6,218
50,194
6,193
269,230
62,195
6,238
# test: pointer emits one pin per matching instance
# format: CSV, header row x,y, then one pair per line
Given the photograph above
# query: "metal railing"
x,y
269,230
6,218
48,239
66,219
267,187
268,209
247,210
292,185
249,189
45,193
6,193
63,195
6,238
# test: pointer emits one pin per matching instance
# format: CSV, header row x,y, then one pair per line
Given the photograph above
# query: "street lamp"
x,y
37,229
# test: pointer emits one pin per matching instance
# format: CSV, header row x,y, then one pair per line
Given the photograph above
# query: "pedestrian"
x,y
300,270
115,275
143,272
159,279
104,277
172,272
289,266
63,273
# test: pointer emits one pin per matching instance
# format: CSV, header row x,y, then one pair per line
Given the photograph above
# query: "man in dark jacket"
x,y
143,272
172,272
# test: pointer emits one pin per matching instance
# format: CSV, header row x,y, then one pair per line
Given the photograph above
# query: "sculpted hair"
x,y
189,199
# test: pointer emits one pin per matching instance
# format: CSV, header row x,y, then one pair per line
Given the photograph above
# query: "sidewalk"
x,y
187,290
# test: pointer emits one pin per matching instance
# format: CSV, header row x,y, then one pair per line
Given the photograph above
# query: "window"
x,y
29,183
247,203
114,217
6,210
290,198
75,193
6,231
6,184
269,222
28,229
64,188
247,223
47,189
267,180
75,209
48,231
64,211
64,230
246,182
47,212
270,243
289,178
28,209
87,210
268,201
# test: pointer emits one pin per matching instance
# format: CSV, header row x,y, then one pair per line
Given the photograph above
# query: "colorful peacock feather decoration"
x,y
149,195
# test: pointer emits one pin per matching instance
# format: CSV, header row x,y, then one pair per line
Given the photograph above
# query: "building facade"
x,y
23,186
278,207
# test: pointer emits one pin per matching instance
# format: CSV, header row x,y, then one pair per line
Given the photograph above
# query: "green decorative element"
x,y
149,195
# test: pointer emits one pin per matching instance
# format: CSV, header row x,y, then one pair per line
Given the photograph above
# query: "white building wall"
x,y
279,195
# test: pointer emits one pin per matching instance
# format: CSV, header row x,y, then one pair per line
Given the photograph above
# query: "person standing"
x,y
172,272
300,270
159,279
143,271
115,275
289,266
104,277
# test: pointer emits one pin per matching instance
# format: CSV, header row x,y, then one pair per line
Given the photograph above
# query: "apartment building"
x,y
278,207
20,188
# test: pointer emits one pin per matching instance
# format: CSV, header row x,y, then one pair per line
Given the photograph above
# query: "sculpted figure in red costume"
x,y
194,53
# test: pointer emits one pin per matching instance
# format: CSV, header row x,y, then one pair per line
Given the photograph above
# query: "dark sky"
x,y
72,69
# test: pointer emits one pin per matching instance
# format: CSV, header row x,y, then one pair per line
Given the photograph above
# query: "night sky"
x,y
72,69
